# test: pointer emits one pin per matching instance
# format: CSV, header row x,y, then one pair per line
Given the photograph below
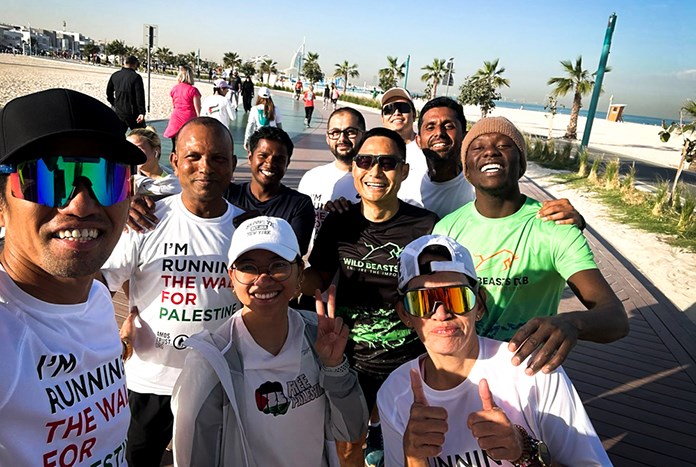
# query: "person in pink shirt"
x,y
186,100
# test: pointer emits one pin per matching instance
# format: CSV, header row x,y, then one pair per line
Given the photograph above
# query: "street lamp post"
x,y
450,64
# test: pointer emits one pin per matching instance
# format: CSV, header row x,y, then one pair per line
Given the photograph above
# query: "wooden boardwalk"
x,y
640,392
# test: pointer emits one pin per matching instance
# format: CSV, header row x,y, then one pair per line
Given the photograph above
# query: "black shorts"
x,y
370,384
150,428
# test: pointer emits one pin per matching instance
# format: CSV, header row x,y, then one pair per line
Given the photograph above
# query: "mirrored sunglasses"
x,y
421,303
386,163
54,181
402,107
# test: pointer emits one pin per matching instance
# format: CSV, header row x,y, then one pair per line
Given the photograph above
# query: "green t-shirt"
x,y
521,261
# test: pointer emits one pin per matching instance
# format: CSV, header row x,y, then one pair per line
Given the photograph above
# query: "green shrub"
x,y
611,175
660,198
593,177
583,158
687,218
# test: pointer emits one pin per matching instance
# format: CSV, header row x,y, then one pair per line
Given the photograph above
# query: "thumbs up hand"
x,y
426,429
493,430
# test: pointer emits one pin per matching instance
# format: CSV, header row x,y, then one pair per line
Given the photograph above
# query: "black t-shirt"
x,y
288,204
366,255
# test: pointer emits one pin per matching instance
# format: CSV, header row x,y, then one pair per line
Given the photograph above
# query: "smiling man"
x,y
363,245
399,114
270,149
65,169
443,188
334,180
177,277
524,262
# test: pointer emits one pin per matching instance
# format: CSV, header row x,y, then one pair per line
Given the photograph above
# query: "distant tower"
x,y
64,25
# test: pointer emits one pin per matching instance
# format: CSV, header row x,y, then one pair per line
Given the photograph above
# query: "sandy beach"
x,y
672,270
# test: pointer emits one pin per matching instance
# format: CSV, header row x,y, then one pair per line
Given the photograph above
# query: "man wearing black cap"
x,y
64,193
126,94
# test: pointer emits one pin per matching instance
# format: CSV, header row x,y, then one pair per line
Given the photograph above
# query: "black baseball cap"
x,y
63,122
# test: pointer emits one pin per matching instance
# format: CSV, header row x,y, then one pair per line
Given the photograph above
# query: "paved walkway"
x,y
640,392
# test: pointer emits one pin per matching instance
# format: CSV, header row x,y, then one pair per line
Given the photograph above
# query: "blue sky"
x,y
653,53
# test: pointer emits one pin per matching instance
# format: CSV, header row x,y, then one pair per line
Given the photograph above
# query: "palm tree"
x,y
388,76
231,60
311,69
434,74
492,73
268,65
344,70
580,82
247,69
164,55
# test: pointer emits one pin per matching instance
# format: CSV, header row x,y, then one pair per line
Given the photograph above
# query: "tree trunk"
x,y
345,83
434,90
572,130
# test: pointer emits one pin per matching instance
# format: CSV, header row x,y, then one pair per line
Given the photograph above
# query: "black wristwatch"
x,y
535,453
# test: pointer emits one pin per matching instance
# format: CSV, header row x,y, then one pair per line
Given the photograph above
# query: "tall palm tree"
x,y
580,82
164,55
434,74
231,60
268,66
311,69
492,74
344,70
389,75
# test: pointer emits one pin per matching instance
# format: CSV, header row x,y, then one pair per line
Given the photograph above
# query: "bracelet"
x,y
340,369
525,459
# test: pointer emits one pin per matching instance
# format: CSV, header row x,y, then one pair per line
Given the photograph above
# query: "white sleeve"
x,y
391,404
229,110
123,261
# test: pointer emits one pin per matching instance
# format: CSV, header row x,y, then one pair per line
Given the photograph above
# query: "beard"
x,y
346,158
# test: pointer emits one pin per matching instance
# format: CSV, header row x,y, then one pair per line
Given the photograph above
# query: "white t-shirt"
x,y
218,107
326,183
440,197
61,366
418,168
254,122
179,282
546,405
167,184
284,404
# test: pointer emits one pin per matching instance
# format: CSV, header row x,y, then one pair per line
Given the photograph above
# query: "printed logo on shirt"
x,y
213,109
82,403
379,260
476,458
499,261
183,274
271,400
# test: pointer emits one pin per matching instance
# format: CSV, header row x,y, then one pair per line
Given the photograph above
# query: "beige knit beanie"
x,y
496,125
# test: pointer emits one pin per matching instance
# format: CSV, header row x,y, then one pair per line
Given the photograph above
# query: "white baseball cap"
x,y
264,233
221,84
408,260
264,92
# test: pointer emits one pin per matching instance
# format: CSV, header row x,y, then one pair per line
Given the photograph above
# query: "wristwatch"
x,y
535,453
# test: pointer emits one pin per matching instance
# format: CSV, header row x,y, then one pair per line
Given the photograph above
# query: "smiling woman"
x,y
283,372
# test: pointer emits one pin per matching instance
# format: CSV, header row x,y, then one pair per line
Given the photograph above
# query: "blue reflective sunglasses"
x,y
53,181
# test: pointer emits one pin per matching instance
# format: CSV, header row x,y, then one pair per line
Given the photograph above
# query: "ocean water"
x,y
583,112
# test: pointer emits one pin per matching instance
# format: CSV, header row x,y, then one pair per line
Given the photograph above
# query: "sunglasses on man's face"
x,y
53,181
402,107
422,303
386,163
